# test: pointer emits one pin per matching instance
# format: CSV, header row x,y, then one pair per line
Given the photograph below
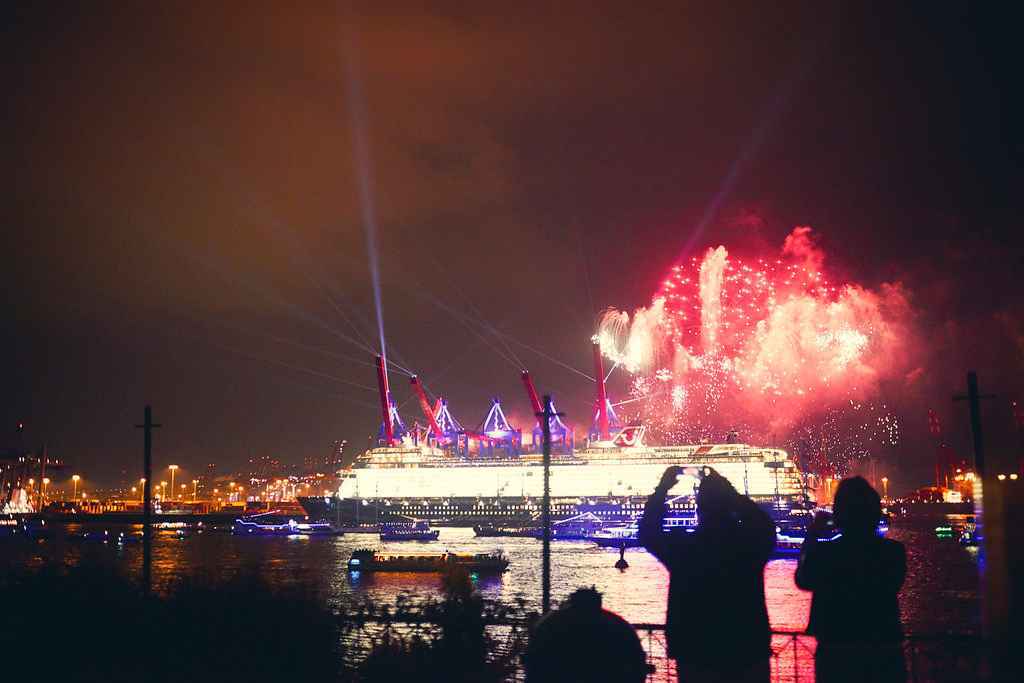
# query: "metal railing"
x,y
929,658
792,658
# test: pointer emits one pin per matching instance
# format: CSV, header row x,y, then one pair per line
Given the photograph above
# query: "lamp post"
x,y
142,485
173,469
195,489
46,481
74,480
885,488
163,490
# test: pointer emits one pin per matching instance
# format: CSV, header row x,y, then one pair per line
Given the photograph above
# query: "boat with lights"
x,y
490,477
412,531
366,560
628,535
269,524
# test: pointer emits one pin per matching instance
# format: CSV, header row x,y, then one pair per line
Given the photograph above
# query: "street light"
x,y
163,490
885,488
195,487
74,480
46,481
173,469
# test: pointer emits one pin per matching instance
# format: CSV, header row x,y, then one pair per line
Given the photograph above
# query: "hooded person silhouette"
x,y
716,625
584,643
855,580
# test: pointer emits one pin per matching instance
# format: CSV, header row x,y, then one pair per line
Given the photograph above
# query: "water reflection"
x,y
940,593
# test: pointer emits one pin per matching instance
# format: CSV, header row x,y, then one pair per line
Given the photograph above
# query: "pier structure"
x,y
501,432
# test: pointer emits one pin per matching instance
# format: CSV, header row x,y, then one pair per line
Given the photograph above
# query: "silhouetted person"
x,y
582,643
716,623
855,578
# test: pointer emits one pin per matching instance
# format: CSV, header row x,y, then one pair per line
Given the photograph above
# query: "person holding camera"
x,y
716,623
855,580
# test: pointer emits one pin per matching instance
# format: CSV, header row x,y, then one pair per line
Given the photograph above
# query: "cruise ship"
x,y
452,476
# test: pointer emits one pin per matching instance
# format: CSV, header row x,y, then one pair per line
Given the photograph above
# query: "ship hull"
x,y
503,512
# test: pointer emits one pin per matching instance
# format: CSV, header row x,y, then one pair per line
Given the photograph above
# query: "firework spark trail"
x,y
766,346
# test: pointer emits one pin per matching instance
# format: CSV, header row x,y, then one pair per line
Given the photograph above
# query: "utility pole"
x,y
147,523
997,548
42,475
545,417
975,408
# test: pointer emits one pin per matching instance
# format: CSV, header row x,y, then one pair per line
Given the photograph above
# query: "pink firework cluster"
x,y
765,346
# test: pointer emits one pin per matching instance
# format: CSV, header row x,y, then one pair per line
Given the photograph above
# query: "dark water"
x,y
940,593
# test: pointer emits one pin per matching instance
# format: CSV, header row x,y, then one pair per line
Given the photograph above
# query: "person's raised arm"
x,y
651,535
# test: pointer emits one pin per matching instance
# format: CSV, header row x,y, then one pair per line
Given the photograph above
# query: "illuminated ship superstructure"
x,y
450,475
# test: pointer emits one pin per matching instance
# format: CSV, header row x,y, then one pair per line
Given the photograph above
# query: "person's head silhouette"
x,y
582,642
857,507
716,499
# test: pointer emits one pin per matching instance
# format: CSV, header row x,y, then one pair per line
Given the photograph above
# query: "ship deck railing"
x,y
929,658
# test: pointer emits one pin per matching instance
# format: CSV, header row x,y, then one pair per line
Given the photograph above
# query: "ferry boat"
x,y
366,560
415,531
269,524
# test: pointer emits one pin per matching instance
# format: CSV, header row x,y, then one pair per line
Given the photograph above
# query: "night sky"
x,y
183,223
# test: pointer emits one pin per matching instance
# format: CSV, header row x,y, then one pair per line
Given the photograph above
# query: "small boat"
x,y
619,536
29,527
790,535
412,531
627,535
366,560
11,527
268,525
